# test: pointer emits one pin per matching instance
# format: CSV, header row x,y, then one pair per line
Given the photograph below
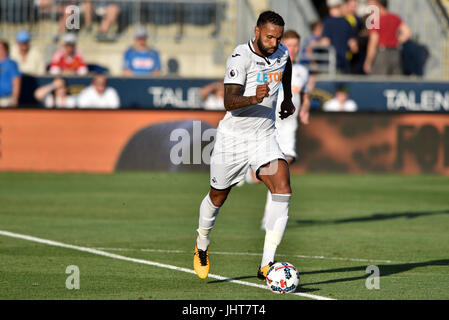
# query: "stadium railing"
x,y
322,61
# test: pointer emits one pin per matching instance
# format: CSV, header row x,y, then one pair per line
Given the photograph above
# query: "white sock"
x,y
267,205
208,214
276,223
271,243
203,240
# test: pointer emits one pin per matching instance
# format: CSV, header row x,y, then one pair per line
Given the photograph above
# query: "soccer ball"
x,y
283,277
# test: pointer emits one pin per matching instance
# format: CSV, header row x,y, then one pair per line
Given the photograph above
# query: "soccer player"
x,y
286,129
246,136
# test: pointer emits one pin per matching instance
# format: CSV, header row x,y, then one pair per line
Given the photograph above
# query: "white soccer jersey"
x,y
300,82
246,137
245,67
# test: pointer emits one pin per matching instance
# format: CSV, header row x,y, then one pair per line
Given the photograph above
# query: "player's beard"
x,y
263,49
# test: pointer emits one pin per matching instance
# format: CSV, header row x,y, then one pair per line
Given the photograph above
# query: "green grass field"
x,y
338,226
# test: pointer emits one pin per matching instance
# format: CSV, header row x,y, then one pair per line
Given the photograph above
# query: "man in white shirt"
x,y
29,59
98,95
246,137
212,96
340,102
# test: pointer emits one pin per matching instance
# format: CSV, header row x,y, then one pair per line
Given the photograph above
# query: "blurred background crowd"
x,y
340,40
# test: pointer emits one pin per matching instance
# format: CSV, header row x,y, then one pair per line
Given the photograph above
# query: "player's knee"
x,y
218,198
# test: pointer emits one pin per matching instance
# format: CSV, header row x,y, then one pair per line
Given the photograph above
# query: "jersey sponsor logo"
x,y
269,77
260,63
235,55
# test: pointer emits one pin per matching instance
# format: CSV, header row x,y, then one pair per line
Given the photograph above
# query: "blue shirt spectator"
x,y
142,62
9,78
309,46
140,59
8,71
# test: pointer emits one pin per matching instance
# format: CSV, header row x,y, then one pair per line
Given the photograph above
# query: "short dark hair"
x,y
315,24
270,16
342,87
383,3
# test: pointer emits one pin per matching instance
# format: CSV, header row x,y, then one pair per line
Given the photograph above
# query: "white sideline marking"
x,y
251,254
147,262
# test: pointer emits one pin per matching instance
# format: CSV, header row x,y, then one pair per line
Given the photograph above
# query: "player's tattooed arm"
x,y
233,100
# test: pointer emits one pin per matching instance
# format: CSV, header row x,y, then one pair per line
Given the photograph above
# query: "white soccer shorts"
x,y
233,155
287,142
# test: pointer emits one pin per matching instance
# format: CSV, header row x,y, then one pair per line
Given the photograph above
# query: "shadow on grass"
x,y
374,217
304,290
385,270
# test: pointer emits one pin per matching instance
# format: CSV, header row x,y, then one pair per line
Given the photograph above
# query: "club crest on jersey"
x,y
269,77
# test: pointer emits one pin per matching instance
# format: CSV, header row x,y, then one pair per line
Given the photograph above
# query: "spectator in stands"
x,y
383,53
109,11
338,32
212,96
56,95
312,42
67,60
10,78
341,101
350,8
99,95
61,9
43,7
312,46
29,59
350,13
141,59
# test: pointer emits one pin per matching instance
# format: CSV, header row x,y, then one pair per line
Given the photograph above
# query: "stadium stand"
x,y
429,29
444,5
442,9
199,34
171,25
